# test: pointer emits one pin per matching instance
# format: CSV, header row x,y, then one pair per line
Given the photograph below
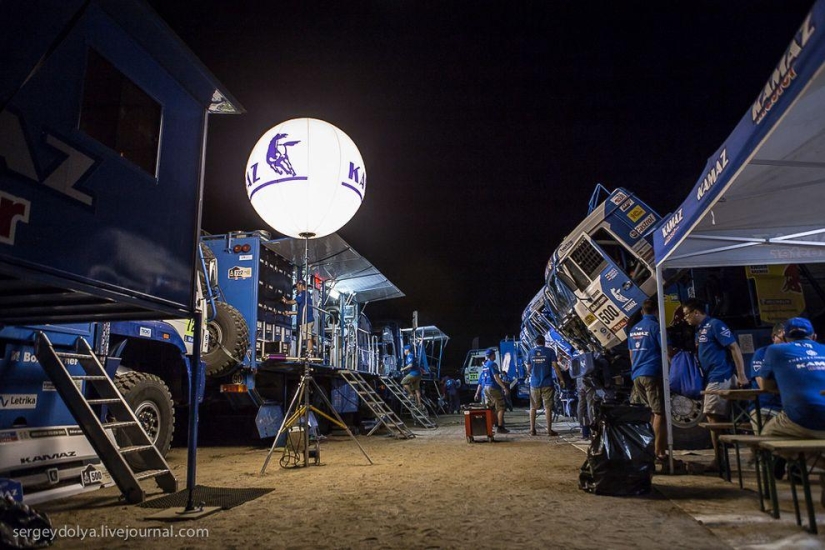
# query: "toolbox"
x,y
478,422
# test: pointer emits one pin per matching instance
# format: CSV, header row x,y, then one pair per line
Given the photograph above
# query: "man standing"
x,y
713,341
797,369
493,388
412,375
304,313
646,362
451,394
541,364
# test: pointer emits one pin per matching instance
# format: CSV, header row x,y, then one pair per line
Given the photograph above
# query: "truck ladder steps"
x,y
108,401
126,478
146,474
118,425
382,412
419,414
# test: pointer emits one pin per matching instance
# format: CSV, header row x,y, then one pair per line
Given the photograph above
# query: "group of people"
x,y
791,369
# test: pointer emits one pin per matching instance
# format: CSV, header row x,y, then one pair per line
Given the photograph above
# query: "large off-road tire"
x,y
228,341
150,399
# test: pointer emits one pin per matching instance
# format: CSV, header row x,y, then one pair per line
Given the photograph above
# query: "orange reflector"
x,y
233,388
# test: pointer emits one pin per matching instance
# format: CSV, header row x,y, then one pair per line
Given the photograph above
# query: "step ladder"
x,y
419,415
383,413
123,419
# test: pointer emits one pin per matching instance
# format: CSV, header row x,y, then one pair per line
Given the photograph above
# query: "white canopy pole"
x,y
665,364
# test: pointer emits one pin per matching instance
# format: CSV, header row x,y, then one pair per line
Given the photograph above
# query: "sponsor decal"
x,y
8,437
48,385
636,213
713,174
610,275
91,476
597,303
11,489
48,457
51,432
646,223
239,272
243,257
589,319
671,225
618,198
619,326
784,74
630,305
18,401
75,431
145,332
616,293
626,204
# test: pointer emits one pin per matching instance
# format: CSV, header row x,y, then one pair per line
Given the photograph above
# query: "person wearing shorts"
x,y
412,376
644,342
542,365
493,389
713,342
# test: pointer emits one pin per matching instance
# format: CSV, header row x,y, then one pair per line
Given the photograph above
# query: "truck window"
x,y
118,114
624,258
571,273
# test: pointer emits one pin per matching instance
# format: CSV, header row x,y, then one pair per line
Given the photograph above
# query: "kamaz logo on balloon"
x,y
358,176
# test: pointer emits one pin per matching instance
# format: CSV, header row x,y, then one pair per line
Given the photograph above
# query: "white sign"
x,y
18,401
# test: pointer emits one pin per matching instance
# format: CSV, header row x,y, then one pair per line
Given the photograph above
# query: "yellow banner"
x,y
778,291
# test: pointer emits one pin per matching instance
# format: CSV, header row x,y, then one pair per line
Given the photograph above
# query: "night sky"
x,y
484,126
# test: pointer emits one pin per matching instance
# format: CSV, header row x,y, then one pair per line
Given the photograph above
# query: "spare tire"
x,y
228,340
149,398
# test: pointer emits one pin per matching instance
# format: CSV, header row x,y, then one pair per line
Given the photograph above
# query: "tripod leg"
x,y
340,420
295,399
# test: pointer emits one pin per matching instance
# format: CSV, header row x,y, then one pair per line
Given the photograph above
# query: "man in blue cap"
x,y
494,388
797,369
412,376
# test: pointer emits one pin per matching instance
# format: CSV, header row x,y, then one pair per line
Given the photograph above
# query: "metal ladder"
x,y
417,413
383,413
124,420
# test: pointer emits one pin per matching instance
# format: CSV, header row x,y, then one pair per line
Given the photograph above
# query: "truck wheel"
x,y
228,340
150,399
686,414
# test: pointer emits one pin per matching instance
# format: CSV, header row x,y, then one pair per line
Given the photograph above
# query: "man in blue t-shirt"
x,y
713,342
412,375
644,342
305,316
451,393
770,404
493,388
542,366
797,369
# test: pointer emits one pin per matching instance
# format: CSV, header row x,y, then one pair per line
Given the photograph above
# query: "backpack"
x,y
686,377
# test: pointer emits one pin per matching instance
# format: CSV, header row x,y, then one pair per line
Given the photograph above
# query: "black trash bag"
x,y
621,459
22,526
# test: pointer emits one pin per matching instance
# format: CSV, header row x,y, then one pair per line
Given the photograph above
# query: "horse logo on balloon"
x,y
277,157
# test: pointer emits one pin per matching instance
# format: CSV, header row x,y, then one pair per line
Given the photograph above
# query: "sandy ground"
x,y
438,491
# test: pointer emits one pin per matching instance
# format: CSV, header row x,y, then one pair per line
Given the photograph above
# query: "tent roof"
x,y
761,195
331,258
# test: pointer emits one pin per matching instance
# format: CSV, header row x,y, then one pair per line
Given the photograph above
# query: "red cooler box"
x,y
478,422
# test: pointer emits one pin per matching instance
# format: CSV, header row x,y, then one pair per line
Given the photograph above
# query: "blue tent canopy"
x,y
759,198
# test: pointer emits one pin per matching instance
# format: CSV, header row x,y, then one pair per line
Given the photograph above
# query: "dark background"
x,y
484,126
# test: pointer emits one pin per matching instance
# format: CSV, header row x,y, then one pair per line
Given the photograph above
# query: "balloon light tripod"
x,y
297,445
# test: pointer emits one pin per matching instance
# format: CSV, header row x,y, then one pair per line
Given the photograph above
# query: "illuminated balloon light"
x,y
305,178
